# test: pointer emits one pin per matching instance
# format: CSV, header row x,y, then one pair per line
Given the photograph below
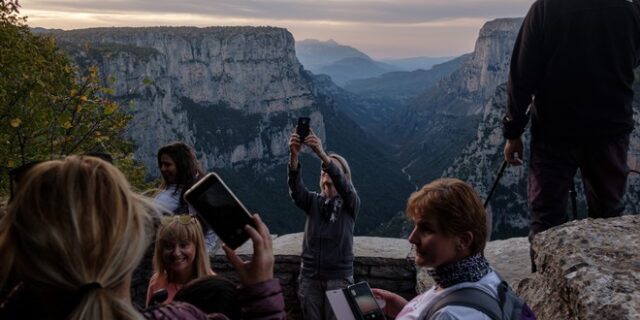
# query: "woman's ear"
x,y
465,239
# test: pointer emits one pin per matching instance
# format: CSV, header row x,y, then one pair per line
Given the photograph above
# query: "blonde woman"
x,y
75,232
179,256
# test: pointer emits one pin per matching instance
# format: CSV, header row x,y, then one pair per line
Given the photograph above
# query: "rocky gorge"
x,y
234,93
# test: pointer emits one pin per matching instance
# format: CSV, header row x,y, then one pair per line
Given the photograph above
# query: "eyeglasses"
x,y
182,219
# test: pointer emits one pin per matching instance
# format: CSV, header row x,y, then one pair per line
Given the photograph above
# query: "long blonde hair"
x,y
179,231
75,222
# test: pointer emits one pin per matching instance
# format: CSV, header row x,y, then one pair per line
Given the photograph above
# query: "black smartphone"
x,y
221,209
365,302
303,128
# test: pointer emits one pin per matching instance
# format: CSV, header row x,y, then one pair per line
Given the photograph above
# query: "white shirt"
x,y
412,310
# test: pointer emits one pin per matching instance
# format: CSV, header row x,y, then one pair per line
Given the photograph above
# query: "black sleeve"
x,y
526,71
298,191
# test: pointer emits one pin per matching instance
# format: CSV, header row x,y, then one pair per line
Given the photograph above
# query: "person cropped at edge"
x,y
327,250
449,236
575,60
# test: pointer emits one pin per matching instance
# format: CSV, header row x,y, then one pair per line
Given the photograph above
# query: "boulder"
x,y
587,269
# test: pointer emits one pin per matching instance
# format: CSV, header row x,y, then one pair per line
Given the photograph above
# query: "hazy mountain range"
x,y
344,63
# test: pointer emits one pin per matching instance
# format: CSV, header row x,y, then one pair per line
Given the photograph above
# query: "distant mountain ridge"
x,y
404,85
344,63
314,54
416,63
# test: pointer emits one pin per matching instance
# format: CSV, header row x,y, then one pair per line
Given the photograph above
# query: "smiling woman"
x,y
179,257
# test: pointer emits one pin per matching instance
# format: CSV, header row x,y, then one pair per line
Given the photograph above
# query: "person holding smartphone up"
x,y
327,250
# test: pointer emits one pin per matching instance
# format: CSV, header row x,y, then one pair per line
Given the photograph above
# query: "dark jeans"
x,y
313,299
604,170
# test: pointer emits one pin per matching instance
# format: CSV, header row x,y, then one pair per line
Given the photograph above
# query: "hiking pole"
x,y
495,183
574,196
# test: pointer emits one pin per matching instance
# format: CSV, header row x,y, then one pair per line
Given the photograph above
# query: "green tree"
x,y
48,108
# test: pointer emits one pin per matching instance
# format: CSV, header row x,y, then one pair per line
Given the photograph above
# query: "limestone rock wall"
x,y
218,88
385,263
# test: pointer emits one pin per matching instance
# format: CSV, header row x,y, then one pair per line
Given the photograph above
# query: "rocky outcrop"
x,y
588,269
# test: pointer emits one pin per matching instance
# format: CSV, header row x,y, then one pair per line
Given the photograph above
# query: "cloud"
x,y
346,11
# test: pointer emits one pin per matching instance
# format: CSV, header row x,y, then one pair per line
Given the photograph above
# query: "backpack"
x,y
508,306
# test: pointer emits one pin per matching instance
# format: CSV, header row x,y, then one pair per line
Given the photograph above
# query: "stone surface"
x,y
383,262
588,269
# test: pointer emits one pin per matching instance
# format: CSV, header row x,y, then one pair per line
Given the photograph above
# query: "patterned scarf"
x,y
469,269
330,208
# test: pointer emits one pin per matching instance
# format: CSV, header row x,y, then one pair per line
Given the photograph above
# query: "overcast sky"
x,y
380,28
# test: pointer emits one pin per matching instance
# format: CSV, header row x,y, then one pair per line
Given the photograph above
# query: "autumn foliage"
x,y
49,108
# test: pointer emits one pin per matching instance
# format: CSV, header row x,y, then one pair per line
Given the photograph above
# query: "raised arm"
x,y
345,188
297,190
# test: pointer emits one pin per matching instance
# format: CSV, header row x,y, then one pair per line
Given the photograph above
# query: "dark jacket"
x,y
261,301
327,249
577,57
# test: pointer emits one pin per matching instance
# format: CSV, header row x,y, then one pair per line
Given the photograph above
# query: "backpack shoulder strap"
x,y
469,297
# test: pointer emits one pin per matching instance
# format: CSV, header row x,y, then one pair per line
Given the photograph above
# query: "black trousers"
x,y
552,167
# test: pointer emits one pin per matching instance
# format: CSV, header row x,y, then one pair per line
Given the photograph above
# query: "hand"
x,y
513,151
394,303
315,144
260,267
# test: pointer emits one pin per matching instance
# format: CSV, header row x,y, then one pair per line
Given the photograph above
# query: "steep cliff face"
x,y
478,164
441,121
216,88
